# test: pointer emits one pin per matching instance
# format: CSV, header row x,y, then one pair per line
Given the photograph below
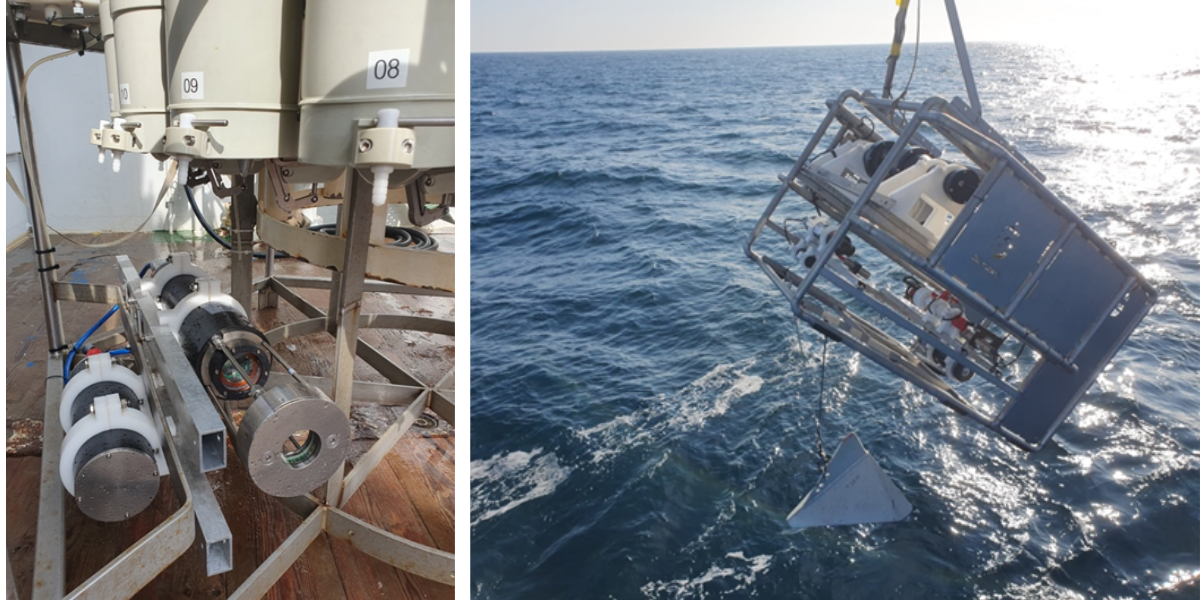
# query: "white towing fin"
x,y
855,491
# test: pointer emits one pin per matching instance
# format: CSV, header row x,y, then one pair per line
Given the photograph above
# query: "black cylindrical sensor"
x,y
178,288
247,344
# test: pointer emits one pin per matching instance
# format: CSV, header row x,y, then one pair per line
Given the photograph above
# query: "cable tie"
x,y
47,251
50,268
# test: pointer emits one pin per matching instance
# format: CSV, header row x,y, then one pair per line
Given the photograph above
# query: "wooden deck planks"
x,y
328,568
21,519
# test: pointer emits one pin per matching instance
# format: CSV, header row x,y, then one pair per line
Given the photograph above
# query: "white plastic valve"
x,y
185,122
388,117
116,154
379,188
77,8
102,152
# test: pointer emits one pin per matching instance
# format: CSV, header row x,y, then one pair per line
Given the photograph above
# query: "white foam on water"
x,y
506,481
712,395
743,572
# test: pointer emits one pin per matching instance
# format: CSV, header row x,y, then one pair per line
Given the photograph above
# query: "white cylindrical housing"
x,y
363,56
110,58
921,201
238,62
846,157
141,76
112,460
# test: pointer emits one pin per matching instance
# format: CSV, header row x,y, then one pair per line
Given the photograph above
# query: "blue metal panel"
x,y
1051,392
1002,244
1075,292
1027,265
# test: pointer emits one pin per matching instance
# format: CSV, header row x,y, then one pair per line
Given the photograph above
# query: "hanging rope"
x,y
897,42
916,52
822,457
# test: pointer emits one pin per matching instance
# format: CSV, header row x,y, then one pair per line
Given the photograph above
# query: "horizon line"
x,y
601,50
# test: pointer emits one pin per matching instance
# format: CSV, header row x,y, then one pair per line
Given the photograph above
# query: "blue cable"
x,y
67,366
79,344
146,268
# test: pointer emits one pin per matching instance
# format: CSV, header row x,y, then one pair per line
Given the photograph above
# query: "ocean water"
x,y
643,403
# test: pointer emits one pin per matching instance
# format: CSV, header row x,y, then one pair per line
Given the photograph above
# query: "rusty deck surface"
x,y
411,493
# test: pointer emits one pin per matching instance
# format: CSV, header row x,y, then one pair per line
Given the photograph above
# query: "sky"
x,y
576,25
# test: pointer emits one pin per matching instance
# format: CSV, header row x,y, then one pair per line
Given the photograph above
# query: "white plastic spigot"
x,y
379,188
388,117
101,150
185,121
116,154
77,8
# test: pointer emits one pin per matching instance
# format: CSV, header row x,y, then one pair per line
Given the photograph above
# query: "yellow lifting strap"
x,y
897,41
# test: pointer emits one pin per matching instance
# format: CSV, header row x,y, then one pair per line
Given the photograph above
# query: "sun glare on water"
x,y
1121,37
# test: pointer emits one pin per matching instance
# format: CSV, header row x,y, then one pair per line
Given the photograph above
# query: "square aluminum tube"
x,y
196,416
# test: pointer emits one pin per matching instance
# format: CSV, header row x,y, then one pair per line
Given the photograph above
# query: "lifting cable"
x,y
822,457
821,407
897,42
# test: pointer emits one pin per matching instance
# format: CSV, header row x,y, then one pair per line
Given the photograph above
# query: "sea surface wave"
x,y
643,404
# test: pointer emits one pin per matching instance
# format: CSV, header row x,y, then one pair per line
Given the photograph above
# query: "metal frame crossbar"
x,y
196,440
1074,332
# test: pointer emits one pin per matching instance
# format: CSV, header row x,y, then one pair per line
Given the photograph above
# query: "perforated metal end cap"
x,y
269,422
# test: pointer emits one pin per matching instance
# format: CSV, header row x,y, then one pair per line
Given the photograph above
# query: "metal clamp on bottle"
x,y
188,140
118,140
97,139
385,148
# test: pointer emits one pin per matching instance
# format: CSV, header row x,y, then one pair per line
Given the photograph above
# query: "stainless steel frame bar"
x,y
194,422
48,571
343,319
851,206
1043,264
347,304
318,321
243,212
390,548
42,246
129,572
137,565
939,250
369,285
367,462
892,158
196,412
87,292
265,576
964,61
